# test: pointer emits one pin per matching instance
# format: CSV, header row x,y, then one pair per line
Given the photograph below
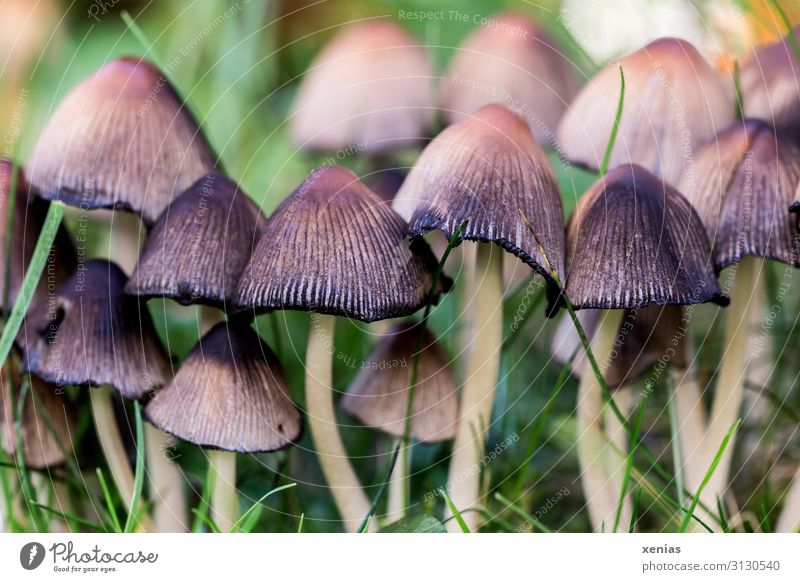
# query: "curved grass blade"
x,y
613,137
138,478
364,526
454,510
255,510
112,510
532,521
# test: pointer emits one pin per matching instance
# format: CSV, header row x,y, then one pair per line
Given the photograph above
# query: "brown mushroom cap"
x,y
487,168
371,86
47,422
199,246
379,394
770,82
229,394
333,246
91,333
514,62
29,217
741,186
674,102
121,139
633,241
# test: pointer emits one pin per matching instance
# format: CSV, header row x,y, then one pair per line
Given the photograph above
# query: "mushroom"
x,y
334,248
674,102
745,180
378,397
121,139
484,170
632,241
514,62
228,395
89,333
770,88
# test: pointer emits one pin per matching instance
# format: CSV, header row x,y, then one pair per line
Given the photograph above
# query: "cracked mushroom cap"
x,y
674,102
378,395
741,185
515,62
197,249
487,168
634,241
90,333
229,394
123,139
335,247
370,87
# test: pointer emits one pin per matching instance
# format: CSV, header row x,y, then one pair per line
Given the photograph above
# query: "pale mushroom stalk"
x,y
166,483
789,518
224,499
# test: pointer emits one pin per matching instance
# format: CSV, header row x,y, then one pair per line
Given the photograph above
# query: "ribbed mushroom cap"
x,y
674,102
770,82
333,246
229,394
646,335
745,181
199,246
91,333
47,423
29,217
633,241
378,395
514,62
487,168
122,139
371,86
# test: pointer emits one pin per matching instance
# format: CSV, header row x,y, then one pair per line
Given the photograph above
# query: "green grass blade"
x,y
454,510
206,520
138,478
69,517
634,445
532,521
201,511
257,507
677,453
112,510
364,526
28,491
635,512
612,139
737,85
12,203
300,523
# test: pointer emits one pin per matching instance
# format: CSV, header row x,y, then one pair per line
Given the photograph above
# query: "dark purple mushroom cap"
x,y
741,185
674,102
634,241
487,168
379,394
333,246
122,138
28,221
229,394
197,249
90,333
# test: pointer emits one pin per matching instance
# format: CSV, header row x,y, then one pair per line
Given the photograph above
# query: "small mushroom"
x,y
484,171
334,248
199,246
633,241
514,62
123,139
674,102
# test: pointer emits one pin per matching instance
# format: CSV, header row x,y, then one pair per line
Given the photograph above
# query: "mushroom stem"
x,y
342,480
114,451
729,390
224,500
477,397
166,483
690,415
789,519
615,458
591,442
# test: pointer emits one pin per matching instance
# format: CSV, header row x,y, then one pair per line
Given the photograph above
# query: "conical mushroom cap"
x,y
632,241
335,247
378,395
47,423
743,183
371,87
91,333
674,102
29,217
487,168
514,62
121,139
199,246
229,394
646,336
769,82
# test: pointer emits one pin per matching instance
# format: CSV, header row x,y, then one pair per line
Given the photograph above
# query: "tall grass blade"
x,y
256,509
454,510
112,510
634,445
615,129
138,477
532,521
